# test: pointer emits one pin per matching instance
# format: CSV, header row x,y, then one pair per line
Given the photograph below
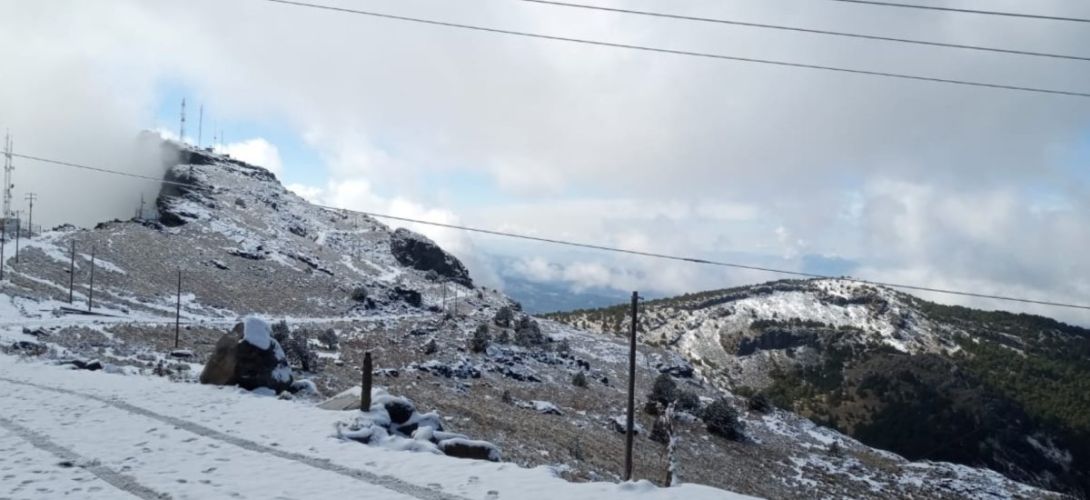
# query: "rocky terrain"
x,y
989,389
543,392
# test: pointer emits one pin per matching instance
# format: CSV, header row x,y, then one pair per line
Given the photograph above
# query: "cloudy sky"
x,y
913,182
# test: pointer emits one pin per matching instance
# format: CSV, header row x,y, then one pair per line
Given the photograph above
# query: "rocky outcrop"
x,y
238,361
417,251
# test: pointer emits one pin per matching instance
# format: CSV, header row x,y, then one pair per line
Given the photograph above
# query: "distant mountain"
x,y
539,297
1010,392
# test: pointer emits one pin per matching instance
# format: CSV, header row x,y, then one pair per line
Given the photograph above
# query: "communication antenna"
x,y
181,128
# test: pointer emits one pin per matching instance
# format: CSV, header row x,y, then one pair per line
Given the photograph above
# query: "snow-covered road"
x,y
96,435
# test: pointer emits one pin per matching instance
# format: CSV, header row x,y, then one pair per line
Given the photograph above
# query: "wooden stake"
x,y
178,311
365,388
91,286
72,273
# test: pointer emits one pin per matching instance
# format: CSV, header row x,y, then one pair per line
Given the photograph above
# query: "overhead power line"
x,y
968,11
591,246
706,55
732,22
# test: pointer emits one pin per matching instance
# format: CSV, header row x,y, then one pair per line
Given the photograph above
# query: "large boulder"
x,y
417,251
249,357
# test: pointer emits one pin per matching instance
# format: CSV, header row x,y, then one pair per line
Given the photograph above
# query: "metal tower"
x,y
9,166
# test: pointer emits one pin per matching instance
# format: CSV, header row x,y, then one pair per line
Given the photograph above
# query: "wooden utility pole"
x,y
18,231
178,311
630,422
91,285
365,387
30,197
72,272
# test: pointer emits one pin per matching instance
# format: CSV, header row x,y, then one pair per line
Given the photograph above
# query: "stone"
x,y
419,252
476,450
237,362
400,411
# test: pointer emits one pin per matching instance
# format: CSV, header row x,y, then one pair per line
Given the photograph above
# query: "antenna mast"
x,y
8,168
181,128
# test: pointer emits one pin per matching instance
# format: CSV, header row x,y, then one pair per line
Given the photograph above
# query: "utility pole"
x,y
72,272
8,184
178,311
3,243
181,128
30,197
91,286
18,231
629,424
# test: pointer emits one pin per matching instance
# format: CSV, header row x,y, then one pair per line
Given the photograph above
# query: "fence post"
x,y
629,427
72,272
178,311
91,286
365,387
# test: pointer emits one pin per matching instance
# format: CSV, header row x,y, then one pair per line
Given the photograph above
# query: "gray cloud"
x,y
926,182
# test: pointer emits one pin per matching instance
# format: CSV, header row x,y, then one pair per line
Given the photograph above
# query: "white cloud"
x,y
256,151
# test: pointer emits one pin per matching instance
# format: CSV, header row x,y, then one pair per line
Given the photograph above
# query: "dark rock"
x,y
400,411
299,231
419,252
476,450
409,296
84,365
237,362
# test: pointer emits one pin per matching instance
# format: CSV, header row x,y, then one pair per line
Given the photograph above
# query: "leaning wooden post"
x,y
72,272
178,311
91,285
630,423
365,388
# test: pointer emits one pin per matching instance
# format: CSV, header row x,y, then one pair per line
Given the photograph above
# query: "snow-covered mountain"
x,y
245,245
995,389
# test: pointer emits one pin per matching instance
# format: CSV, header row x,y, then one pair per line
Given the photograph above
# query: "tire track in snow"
x,y
115,479
388,482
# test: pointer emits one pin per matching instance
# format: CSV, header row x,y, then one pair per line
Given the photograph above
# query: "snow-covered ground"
x,y
96,435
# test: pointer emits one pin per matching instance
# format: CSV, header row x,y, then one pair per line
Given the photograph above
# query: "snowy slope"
x,y
246,245
137,435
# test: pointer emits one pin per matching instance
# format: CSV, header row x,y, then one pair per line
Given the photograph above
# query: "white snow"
x,y
257,332
195,441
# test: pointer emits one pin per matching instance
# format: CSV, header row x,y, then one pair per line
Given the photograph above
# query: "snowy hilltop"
x,y
459,369
1006,391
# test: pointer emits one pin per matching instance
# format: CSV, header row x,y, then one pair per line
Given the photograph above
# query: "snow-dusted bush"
x,y
280,331
721,419
480,340
579,380
687,401
664,390
359,294
760,403
297,348
528,333
329,338
431,347
504,317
